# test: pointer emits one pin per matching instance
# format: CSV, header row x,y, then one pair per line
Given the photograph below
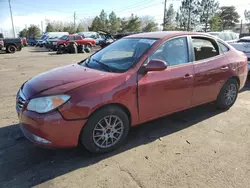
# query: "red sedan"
x,y
134,80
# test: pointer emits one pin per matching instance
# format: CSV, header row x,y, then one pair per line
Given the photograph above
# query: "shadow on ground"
x,y
23,164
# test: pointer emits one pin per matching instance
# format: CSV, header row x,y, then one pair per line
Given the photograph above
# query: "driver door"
x,y
170,90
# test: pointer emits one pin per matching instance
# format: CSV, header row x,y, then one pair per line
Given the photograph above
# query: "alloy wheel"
x,y
108,131
230,94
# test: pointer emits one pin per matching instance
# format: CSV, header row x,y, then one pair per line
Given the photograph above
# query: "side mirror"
x,y
156,65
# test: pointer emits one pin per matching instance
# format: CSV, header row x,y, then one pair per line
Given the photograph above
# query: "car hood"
x,y
61,80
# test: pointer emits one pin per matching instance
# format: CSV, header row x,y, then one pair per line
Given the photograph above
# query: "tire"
x,y
228,94
88,46
92,127
61,49
87,50
11,49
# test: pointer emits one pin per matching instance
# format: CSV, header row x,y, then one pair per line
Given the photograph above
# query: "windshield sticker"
x,y
148,41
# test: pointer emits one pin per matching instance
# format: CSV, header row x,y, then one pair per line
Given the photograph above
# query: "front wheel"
x,y
105,130
228,94
88,46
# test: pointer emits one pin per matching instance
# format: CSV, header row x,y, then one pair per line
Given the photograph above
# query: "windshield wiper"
x,y
103,65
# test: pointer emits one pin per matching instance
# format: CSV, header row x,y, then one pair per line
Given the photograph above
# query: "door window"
x,y
71,37
77,38
204,48
173,52
223,47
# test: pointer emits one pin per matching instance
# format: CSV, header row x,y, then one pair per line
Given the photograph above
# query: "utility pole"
x,y
13,29
240,27
42,26
164,17
74,21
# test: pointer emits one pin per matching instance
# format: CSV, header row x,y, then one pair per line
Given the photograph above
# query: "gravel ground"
x,y
200,147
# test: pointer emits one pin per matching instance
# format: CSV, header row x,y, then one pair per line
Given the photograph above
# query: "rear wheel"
x,y
105,130
11,49
228,94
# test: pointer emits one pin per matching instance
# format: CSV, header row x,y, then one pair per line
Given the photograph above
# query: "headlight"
x,y
46,104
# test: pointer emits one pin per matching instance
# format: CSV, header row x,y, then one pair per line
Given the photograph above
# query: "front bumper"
x,y
50,130
2,48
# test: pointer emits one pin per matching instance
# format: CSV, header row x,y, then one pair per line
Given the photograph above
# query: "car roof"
x,y
164,34
246,38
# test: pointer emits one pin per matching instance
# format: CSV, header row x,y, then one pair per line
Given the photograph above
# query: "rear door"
x,y
78,39
163,92
211,69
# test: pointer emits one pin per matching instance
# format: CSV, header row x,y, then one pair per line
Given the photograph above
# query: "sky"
x,y
26,12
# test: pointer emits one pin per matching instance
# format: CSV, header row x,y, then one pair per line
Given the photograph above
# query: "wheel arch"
x,y
9,44
235,78
119,105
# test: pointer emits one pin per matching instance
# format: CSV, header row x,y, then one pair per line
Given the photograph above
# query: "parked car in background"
x,y
42,41
243,45
227,36
51,42
12,44
78,39
134,80
32,41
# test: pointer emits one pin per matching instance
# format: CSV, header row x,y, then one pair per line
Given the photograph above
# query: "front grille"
x,y
20,101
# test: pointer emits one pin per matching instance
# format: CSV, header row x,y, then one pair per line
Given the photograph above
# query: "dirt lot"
x,y
201,147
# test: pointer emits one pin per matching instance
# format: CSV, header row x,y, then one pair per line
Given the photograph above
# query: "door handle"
x,y
224,68
188,76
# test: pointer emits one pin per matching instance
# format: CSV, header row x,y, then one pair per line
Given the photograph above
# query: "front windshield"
x,y
120,55
64,37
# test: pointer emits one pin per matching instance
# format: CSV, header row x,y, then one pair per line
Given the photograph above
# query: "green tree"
x,y
148,24
188,14
23,33
177,20
96,24
134,24
103,21
50,28
114,23
229,17
33,31
169,18
124,25
207,9
215,23
80,28
247,17
69,28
